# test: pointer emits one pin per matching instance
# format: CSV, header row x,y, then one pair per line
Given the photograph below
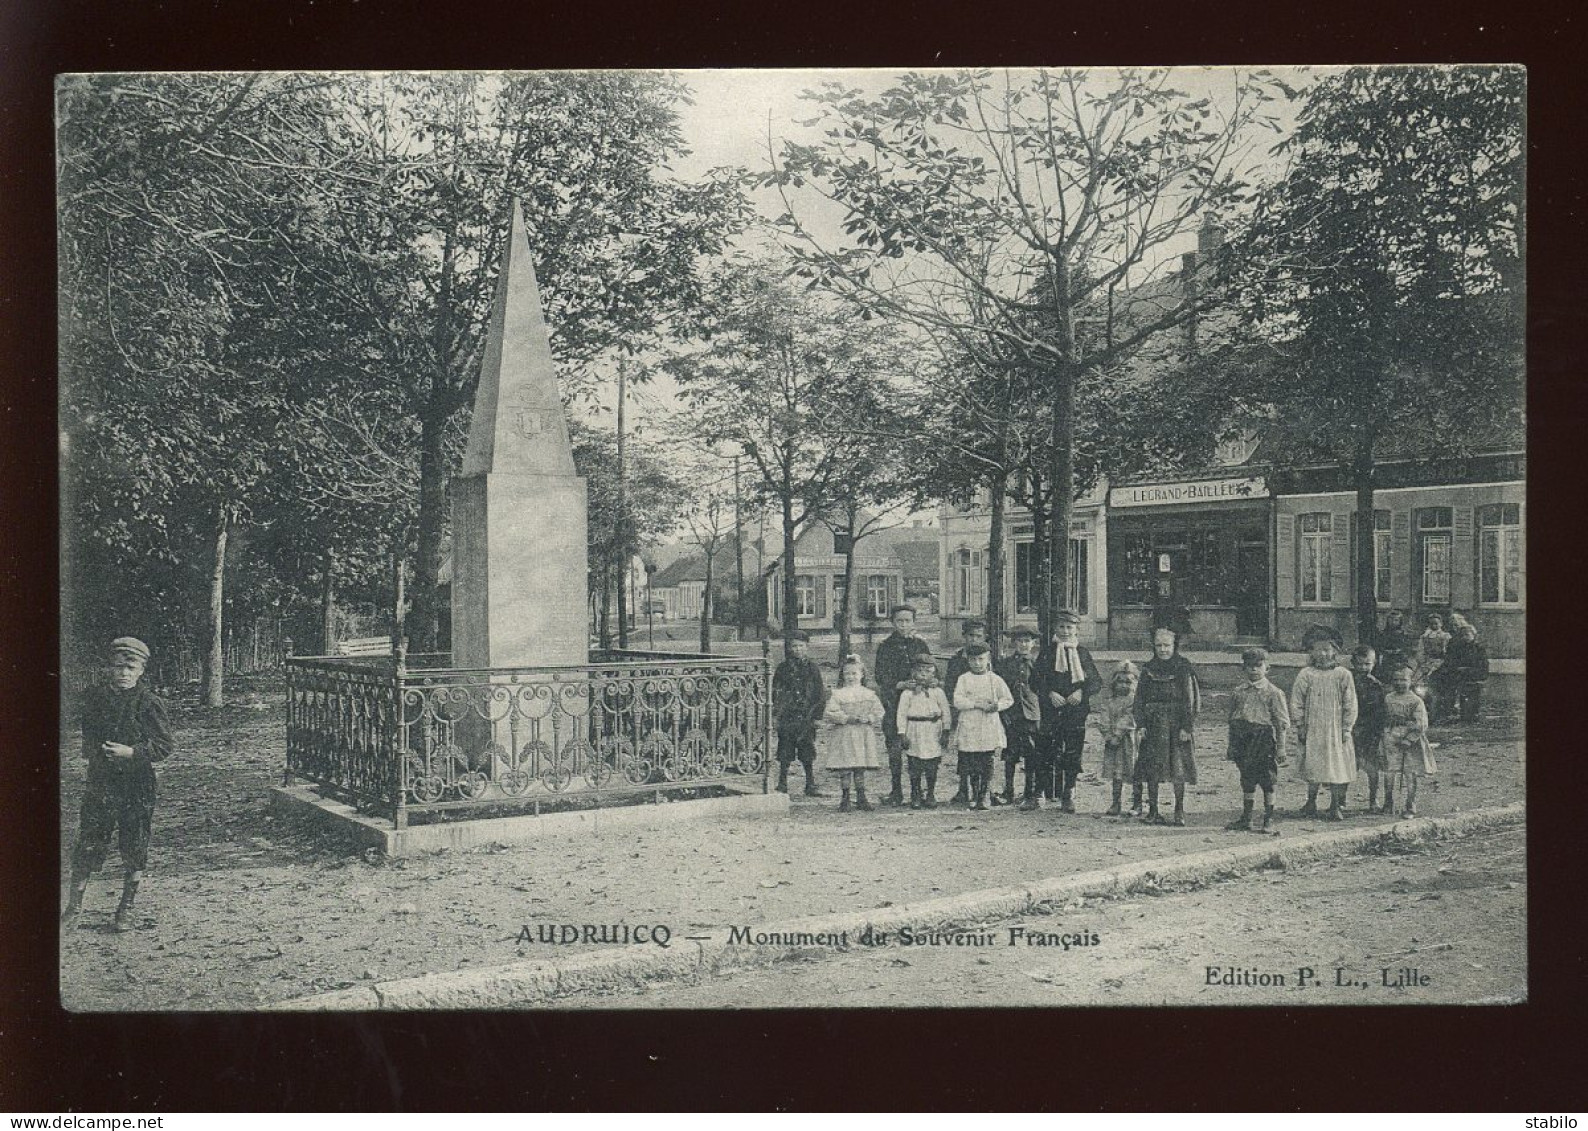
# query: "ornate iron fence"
x,y
402,737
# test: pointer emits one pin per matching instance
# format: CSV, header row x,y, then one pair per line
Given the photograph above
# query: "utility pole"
x,y
621,541
738,554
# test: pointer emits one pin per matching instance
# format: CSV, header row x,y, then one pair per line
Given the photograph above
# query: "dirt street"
x,y
240,909
1443,923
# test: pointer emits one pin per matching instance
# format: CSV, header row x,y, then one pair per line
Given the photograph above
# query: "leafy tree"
x,y
653,498
774,366
1017,204
169,425
408,179
1381,279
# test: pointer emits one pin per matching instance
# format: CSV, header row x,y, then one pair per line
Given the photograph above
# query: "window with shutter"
x,y
1315,557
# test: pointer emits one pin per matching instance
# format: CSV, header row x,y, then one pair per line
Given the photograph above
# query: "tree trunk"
x,y
604,612
327,602
738,555
623,555
397,597
214,664
845,620
790,608
1041,552
426,622
1062,476
705,606
995,563
1366,565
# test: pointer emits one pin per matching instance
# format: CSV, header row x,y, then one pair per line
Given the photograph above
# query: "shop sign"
x,y
1199,491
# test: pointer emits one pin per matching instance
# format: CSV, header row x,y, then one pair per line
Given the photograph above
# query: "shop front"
x,y
1193,555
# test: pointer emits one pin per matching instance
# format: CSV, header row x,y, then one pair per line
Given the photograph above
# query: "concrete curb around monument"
x,y
522,984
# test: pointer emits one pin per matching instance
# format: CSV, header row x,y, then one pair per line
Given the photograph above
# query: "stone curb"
x,y
520,984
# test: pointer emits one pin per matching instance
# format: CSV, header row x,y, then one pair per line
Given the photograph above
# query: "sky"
x,y
736,111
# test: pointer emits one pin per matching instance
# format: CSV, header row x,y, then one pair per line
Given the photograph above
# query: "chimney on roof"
x,y
1210,237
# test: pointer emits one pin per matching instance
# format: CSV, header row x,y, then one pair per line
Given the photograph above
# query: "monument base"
x,y
301,801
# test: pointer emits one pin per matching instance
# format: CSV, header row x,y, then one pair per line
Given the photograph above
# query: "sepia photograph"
x,y
776,539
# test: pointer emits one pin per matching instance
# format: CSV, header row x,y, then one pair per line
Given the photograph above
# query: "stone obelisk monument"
x,y
518,507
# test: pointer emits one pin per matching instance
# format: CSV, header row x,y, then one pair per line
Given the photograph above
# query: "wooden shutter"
x,y
1285,561
819,583
893,591
1340,561
1463,559
1401,559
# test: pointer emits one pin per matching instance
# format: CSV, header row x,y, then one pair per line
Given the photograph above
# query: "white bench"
x,y
365,646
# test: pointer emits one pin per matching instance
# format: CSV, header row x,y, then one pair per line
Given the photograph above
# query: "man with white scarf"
x,y
1065,680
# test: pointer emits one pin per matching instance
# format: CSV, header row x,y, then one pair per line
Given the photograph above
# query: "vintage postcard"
x,y
762,539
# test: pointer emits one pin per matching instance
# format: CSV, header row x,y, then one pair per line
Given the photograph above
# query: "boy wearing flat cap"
x,y
799,696
124,734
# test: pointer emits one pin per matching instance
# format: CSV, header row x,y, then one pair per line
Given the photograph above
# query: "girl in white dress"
x,y
1323,709
853,712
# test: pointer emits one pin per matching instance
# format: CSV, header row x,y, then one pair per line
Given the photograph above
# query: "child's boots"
x,y
74,896
810,781
1265,821
843,804
915,789
129,894
1007,797
860,798
931,787
782,778
896,795
1114,809
1244,821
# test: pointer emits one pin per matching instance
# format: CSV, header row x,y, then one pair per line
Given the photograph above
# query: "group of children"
x,y
1034,709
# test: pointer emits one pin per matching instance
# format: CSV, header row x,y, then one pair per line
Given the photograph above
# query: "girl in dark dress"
x,y
1168,698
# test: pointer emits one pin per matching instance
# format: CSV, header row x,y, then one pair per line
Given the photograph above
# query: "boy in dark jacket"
x,y
798,698
1024,719
124,733
1367,733
1065,680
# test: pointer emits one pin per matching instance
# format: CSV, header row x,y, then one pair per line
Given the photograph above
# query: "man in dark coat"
x,y
798,697
1065,680
895,659
1023,721
124,733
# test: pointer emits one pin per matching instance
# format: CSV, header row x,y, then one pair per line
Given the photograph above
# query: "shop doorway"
x,y
1251,588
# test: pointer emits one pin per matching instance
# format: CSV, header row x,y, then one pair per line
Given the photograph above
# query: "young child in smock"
x,y
1406,736
923,721
1116,718
1323,709
853,711
979,696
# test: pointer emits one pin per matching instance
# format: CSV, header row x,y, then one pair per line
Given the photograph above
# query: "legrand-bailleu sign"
x,y
1197,491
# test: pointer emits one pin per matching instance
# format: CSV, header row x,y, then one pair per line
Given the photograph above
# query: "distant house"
x,y
879,572
677,590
